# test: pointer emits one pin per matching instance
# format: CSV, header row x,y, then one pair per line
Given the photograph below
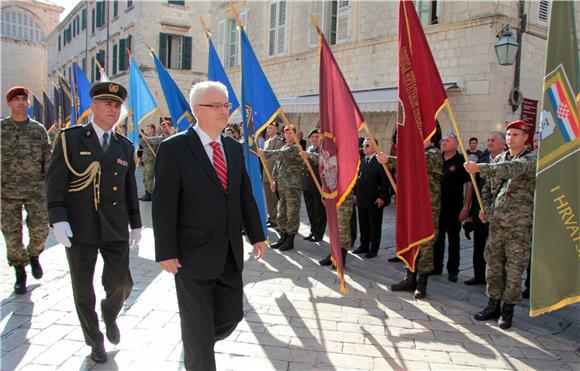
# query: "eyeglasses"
x,y
217,106
367,145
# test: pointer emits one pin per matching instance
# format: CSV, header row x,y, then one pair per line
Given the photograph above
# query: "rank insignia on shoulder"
x,y
88,133
122,162
83,153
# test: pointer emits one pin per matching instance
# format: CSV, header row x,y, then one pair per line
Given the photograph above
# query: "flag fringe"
x,y
562,303
399,254
343,288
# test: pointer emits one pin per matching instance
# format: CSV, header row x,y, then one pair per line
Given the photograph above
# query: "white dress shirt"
x,y
206,140
100,132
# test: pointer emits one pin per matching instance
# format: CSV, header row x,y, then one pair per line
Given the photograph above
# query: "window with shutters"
x,y
100,14
175,51
334,19
278,28
74,28
124,45
84,65
543,12
129,3
115,51
101,59
176,2
84,19
228,40
78,24
428,11
93,20
58,42
92,69
115,8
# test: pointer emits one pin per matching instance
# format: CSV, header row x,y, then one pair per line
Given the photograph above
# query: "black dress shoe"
x,y
325,262
316,238
526,293
307,238
99,354
113,333
474,281
371,254
436,272
361,250
394,259
452,277
146,197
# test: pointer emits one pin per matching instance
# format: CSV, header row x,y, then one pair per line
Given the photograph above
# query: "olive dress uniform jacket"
x,y
118,206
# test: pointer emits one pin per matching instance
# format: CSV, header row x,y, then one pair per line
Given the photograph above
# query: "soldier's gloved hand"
x,y
62,232
134,237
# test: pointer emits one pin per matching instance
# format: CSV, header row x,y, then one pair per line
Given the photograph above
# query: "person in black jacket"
x,y
201,199
312,198
92,198
371,192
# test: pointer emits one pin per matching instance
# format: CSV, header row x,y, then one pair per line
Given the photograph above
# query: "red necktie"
x,y
219,164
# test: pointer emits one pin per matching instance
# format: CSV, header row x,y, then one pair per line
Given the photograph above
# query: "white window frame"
x,y
424,10
277,31
323,12
540,12
229,54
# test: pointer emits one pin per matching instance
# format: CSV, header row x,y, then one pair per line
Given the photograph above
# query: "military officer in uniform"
x,y
25,155
287,180
417,281
92,199
150,145
273,142
508,199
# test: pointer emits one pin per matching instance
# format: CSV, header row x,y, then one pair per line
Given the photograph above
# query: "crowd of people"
x,y
84,187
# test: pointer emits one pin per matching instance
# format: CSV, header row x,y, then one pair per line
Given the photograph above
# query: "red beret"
x,y
15,91
519,124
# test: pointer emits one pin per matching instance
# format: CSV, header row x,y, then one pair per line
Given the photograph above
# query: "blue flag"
x,y
216,72
30,110
179,108
80,94
259,108
141,102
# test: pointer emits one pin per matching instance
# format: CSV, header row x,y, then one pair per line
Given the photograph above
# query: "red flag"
x,y
422,96
340,120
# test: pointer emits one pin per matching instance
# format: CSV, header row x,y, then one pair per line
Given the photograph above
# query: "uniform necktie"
x,y
105,143
219,164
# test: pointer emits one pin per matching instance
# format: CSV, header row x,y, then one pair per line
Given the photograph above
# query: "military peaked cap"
x,y
108,90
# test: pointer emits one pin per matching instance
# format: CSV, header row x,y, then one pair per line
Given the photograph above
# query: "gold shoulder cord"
x,y
92,174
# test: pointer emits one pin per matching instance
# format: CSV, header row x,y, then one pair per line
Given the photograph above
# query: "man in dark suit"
x,y
312,199
92,198
371,192
201,199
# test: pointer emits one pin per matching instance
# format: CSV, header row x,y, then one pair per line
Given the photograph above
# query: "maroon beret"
x,y
519,124
16,91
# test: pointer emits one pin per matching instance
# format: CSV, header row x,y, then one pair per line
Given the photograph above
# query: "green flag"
x,y
556,239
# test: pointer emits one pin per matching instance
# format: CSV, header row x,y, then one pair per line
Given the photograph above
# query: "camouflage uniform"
x,y
271,198
508,196
424,263
344,216
148,160
287,175
25,156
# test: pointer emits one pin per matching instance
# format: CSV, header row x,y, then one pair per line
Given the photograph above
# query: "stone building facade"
x,y
462,35
25,26
102,31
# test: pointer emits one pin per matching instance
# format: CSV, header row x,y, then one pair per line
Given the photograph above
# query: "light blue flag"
x,y
141,102
179,108
80,91
259,108
216,72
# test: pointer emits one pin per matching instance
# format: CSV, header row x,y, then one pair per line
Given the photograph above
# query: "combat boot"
x,y
35,267
408,284
279,243
288,244
20,284
421,290
491,311
146,197
326,261
507,314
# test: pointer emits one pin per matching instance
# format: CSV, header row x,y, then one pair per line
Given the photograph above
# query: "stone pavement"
x,y
295,318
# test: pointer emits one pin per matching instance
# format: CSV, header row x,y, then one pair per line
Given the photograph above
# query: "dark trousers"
x,y
209,310
316,212
480,232
353,222
116,279
370,220
449,225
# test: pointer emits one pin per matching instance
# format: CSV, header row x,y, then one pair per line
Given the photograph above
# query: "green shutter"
x,y
129,3
129,42
186,53
163,48
100,13
115,8
122,55
93,20
92,69
84,19
58,42
114,59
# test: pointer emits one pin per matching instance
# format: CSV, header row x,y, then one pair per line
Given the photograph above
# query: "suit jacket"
x,y
371,183
194,219
118,206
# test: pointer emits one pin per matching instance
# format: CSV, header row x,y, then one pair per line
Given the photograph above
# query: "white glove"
x,y
134,237
62,232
